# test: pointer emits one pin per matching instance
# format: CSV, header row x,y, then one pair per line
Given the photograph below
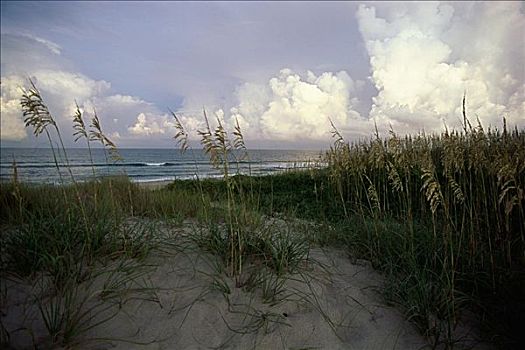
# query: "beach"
x,y
329,303
364,253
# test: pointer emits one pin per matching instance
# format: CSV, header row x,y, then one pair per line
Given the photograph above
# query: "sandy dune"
x,y
330,304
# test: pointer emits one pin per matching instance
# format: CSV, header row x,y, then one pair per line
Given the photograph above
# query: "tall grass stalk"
x,y
81,132
182,139
37,115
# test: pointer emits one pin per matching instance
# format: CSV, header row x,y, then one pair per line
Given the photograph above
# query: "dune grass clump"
x,y
223,150
444,216
256,255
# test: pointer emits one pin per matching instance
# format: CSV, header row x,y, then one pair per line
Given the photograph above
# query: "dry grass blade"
x,y
79,125
373,196
432,189
339,140
96,134
393,176
181,136
37,115
466,122
459,197
81,132
221,136
35,112
238,141
208,143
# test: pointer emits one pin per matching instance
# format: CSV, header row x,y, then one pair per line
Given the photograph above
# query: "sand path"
x,y
183,301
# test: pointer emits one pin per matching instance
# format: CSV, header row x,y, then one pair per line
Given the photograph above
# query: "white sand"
x,y
331,304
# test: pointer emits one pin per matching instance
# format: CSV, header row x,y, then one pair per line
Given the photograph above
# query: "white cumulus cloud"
x,y
62,89
293,107
149,125
11,123
425,56
59,89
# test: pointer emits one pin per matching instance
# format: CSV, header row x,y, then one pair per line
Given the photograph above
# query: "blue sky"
x,y
280,69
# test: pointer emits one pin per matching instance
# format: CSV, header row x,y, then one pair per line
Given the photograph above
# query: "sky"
x,y
283,70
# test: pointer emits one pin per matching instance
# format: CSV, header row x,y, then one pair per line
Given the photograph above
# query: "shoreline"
x,y
160,183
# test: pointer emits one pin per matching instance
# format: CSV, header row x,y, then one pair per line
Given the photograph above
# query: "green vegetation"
x,y
442,216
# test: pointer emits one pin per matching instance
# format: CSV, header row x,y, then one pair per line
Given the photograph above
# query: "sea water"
x,y
144,165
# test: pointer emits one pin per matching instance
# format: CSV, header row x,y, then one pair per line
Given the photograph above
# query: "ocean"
x,y
144,165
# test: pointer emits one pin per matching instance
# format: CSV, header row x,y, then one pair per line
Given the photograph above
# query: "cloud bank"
x,y
291,107
422,58
425,56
